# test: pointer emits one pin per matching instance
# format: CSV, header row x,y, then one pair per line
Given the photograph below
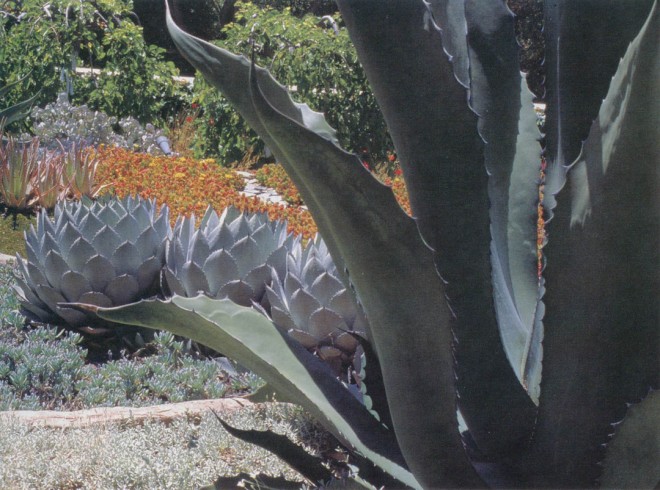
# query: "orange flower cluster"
x,y
400,192
274,176
188,186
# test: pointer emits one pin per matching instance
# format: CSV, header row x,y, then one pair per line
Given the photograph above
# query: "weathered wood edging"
x,y
165,413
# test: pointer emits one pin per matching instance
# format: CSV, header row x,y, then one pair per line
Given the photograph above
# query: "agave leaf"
x,y
631,460
364,228
371,380
251,339
442,155
600,349
18,111
370,229
294,455
573,95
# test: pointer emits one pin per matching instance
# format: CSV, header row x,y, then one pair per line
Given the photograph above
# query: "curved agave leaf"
x,y
601,336
19,110
632,455
574,95
370,229
251,339
443,158
377,246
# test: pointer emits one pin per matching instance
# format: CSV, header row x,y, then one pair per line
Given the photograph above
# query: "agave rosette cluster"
x,y
228,256
102,253
313,305
253,261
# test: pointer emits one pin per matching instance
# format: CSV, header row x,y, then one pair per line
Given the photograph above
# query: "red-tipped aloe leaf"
x,y
442,154
251,339
600,348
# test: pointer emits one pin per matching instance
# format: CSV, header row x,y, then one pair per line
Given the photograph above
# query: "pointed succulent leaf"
x,y
443,162
220,268
581,56
66,236
170,284
200,250
282,318
126,259
122,290
301,307
106,242
108,216
128,228
238,291
193,279
323,323
277,260
247,255
342,303
365,242
50,297
96,298
600,347
251,339
325,287
147,273
79,253
54,268
74,285
99,272
146,242
258,278
632,455
307,340
90,225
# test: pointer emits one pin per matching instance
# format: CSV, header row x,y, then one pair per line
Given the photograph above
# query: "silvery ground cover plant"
x,y
552,375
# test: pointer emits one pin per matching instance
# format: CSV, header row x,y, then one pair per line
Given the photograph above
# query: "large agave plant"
x,y
104,253
458,319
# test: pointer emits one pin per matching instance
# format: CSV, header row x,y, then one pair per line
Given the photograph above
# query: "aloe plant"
x,y
16,111
458,319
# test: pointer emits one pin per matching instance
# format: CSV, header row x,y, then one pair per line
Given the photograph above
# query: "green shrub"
x,y
46,368
304,53
48,40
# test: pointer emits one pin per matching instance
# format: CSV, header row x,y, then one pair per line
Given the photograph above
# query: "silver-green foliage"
x,y
63,123
458,317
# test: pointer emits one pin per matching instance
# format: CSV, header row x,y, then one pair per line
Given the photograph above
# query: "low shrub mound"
x,y
46,368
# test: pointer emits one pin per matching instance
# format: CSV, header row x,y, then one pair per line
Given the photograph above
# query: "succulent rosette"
x,y
104,253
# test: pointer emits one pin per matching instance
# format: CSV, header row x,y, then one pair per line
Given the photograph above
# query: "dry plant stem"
x,y
105,415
